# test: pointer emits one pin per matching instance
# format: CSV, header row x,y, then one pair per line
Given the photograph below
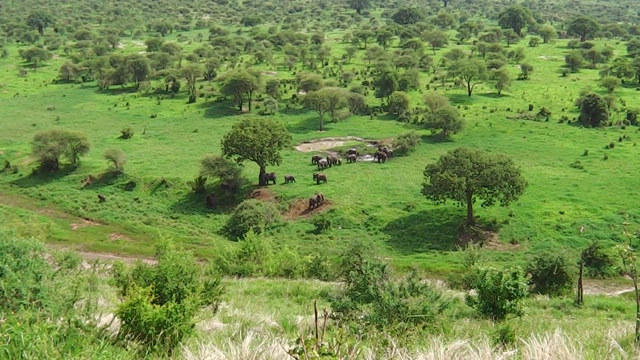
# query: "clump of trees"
x,y
50,147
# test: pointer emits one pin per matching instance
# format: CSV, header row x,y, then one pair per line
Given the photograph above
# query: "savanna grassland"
x,y
159,72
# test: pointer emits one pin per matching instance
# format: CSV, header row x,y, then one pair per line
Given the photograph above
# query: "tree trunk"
x,y
469,90
240,103
322,122
580,287
583,37
250,94
635,287
470,219
263,170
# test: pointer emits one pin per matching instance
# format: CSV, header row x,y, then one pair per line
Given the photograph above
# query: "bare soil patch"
x,y
300,209
270,73
332,142
117,236
264,194
489,240
84,223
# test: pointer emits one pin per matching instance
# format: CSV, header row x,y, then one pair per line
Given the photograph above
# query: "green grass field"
x,y
379,203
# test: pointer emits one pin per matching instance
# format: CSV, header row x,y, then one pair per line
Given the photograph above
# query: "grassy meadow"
x,y
377,202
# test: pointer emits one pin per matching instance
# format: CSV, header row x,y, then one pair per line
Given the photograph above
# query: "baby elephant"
x,y
351,158
101,198
289,179
316,200
320,178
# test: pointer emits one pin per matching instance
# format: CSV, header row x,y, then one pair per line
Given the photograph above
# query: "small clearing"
x,y
329,143
546,57
264,194
300,209
269,73
84,223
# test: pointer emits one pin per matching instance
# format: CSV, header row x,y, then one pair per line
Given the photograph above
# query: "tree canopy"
x,y
257,140
467,175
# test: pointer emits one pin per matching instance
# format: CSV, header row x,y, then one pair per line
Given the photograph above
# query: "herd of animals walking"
x,y
381,156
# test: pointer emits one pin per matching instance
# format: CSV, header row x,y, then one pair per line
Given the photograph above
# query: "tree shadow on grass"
x,y
310,124
494,95
224,201
39,178
435,139
427,230
462,99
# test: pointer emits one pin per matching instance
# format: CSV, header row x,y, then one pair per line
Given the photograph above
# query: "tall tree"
x,y
583,26
359,5
471,71
437,39
40,20
326,100
548,32
240,83
502,79
467,175
385,83
515,17
258,140
444,118
190,73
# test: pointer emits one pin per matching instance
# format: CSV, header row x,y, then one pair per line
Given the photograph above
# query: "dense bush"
x,y
160,301
371,297
499,292
599,262
252,214
405,143
551,273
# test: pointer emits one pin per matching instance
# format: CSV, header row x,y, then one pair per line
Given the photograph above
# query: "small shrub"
x,y
577,165
586,152
551,273
317,266
199,184
406,143
499,292
599,262
126,133
322,224
116,158
253,215
504,336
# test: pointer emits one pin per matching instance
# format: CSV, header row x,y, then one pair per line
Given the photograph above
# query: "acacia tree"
x,y
326,100
594,110
471,71
515,17
583,26
501,79
446,119
467,175
227,172
50,146
258,140
240,83
40,20
190,73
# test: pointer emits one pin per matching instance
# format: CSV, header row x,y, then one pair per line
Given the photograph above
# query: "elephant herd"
x,y
381,156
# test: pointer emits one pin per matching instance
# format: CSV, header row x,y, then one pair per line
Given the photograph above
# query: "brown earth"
x,y
300,209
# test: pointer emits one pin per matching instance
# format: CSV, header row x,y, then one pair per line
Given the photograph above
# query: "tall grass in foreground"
x,y
555,345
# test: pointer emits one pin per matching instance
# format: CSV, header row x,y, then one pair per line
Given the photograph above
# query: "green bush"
x,y
160,301
499,292
50,146
252,214
405,143
322,223
126,133
551,273
599,262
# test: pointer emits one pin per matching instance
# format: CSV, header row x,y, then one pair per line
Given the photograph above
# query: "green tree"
x,y
138,67
406,143
191,72
525,71
116,158
50,146
251,216
326,100
499,292
153,44
574,60
435,101
240,83
466,175
610,83
437,39
399,103
594,56
408,16
471,71
36,55
548,33
225,171
309,82
515,17
594,111
583,26
40,20
446,119
511,37
257,140
69,71
501,78
272,88
386,83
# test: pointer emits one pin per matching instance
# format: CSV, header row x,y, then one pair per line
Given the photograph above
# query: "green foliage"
x,y
257,140
446,119
515,17
594,111
126,133
371,298
227,172
502,79
161,301
240,83
399,103
36,55
50,146
499,293
551,273
466,175
470,71
327,100
322,223
599,261
116,158
406,143
583,26
251,215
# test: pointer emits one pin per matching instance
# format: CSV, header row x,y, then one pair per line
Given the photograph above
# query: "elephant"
x,y
352,151
380,156
323,164
316,200
289,179
351,158
315,158
333,160
320,178
267,177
